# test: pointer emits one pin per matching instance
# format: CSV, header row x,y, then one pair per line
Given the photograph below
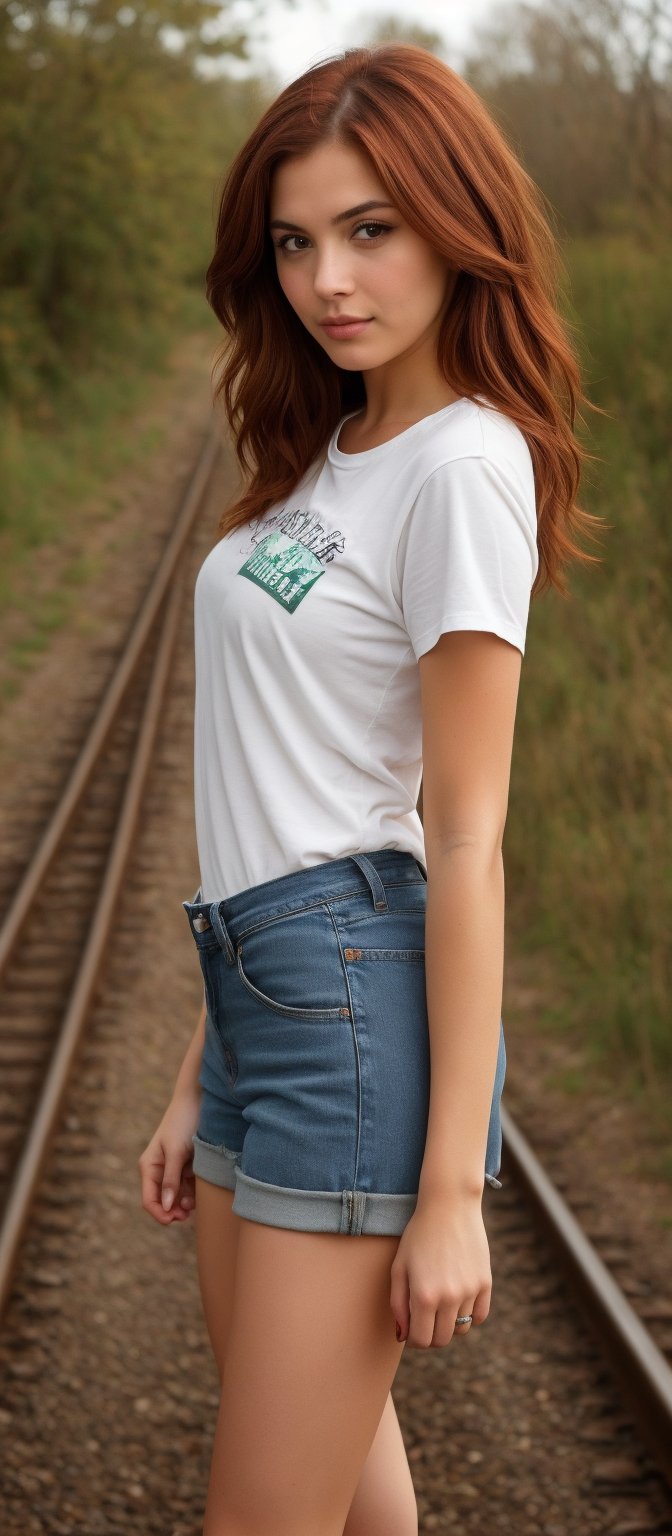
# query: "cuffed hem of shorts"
x,y
354,1212
215,1164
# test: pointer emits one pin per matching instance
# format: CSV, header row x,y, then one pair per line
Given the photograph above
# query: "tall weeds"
x,y
588,844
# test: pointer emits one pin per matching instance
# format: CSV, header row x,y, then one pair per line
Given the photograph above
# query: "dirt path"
x,y
114,540
108,1391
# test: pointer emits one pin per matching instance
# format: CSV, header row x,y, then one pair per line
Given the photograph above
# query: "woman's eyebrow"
x,y
349,214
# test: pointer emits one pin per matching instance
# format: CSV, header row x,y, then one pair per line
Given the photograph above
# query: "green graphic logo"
x,y
284,568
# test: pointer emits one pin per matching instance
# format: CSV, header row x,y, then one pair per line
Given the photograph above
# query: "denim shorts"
x,y
316,1066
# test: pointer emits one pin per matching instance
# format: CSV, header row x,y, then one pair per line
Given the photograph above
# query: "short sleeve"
x,y
467,555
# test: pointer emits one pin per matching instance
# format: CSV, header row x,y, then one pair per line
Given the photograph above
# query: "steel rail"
x,y
640,1367
55,831
165,588
47,1112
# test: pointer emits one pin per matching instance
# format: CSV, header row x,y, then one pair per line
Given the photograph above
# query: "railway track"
x,y
55,933
52,946
629,1345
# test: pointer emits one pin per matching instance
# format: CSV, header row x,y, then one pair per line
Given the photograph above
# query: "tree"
x,y
392,29
111,146
583,89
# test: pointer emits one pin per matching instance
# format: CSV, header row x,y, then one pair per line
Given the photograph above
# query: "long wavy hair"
x,y
456,181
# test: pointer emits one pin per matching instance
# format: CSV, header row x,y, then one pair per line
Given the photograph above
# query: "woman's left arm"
x,y
469,687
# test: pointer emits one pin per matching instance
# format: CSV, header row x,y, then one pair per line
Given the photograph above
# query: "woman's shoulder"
x,y
479,430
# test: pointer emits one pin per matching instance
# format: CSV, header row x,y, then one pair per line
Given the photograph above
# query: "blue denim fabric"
x,y
316,1065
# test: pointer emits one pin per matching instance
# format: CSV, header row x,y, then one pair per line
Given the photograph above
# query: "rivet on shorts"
x,y
352,954
380,906
345,1013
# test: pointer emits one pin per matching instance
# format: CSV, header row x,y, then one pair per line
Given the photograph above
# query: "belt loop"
x,y
375,883
222,932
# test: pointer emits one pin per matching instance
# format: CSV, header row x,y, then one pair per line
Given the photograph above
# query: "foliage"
x,y
112,145
111,149
589,876
583,89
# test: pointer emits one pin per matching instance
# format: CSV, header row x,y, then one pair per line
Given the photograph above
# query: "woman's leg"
x,y
217,1247
307,1435
384,1503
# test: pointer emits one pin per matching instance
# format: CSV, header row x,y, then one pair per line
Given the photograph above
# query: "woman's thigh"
x,y
311,1353
384,1500
217,1231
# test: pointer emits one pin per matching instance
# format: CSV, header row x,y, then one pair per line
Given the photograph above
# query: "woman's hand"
x,y
166,1175
441,1270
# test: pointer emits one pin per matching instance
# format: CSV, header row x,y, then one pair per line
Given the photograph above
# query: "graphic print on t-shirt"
x,y
284,564
284,568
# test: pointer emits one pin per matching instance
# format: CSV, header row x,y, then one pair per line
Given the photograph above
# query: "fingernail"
x,y
167,1199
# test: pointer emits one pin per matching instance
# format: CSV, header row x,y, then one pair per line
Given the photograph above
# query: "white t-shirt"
x,y
309,623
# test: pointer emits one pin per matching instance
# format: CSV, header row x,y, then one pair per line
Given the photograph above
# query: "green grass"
x,y
589,873
83,434
57,466
589,876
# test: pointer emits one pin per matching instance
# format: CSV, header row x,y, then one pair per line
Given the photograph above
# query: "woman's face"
x,y
370,265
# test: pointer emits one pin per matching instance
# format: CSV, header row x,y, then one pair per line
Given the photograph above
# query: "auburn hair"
x,y
456,181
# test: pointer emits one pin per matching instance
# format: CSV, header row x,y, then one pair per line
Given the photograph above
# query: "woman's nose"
x,y
332,274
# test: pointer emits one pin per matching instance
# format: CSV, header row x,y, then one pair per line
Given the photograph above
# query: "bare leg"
x,y
360,1483
384,1503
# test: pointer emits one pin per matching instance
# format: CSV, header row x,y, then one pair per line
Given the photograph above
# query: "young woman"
x,y
402,395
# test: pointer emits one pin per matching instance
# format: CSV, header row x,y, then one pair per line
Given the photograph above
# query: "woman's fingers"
x,y
446,1326
423,1312
399,1301
434,1324
186,1197
425,1322
161,1180
151,1175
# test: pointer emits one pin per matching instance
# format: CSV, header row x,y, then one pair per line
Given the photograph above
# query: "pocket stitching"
x,y
284,1008
353,954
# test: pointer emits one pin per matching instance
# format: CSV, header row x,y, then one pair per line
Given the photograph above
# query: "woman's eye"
x,y
370,225
283,244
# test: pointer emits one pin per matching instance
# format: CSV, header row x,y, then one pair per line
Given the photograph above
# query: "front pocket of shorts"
x,y
292,966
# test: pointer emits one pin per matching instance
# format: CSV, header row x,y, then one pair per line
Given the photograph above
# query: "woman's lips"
x,y
351,328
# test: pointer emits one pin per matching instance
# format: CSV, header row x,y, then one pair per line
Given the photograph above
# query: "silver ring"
x,y
468,1319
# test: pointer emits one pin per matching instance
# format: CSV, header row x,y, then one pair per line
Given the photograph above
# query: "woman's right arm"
x,y
187,1077
166,1174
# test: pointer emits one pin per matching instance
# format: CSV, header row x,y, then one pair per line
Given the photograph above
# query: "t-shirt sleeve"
x,y
467,556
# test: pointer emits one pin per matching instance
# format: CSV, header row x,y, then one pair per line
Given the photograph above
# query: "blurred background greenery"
x,y
112,148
